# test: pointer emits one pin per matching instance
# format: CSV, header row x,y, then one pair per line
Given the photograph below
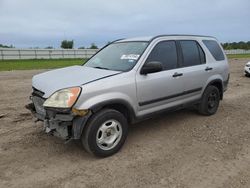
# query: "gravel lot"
x,y
181,149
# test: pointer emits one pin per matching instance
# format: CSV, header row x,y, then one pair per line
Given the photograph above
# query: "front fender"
x,y
95,102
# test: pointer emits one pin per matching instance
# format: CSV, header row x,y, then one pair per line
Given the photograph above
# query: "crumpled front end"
x,y
63,123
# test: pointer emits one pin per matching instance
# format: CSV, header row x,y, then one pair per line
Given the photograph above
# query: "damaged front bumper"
x,y
63,123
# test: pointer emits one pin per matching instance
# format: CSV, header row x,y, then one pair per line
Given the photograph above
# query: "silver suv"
x,y
127,81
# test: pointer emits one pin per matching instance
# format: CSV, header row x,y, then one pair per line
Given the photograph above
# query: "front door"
x,y
159,90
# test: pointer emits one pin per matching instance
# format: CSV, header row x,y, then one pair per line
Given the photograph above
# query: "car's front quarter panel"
x,y
120,87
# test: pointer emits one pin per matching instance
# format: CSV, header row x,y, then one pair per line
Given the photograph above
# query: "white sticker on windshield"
x,y
130,56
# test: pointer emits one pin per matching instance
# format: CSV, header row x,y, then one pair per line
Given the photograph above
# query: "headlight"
x,y
247,65
64,98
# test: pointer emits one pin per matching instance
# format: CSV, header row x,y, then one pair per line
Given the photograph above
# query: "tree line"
x,y
6,46
65,44
69,44
236,45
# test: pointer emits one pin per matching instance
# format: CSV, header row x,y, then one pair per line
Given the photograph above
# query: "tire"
x,y
210,101
247,75
105,133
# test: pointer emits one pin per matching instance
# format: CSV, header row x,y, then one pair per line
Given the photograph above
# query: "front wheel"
x,y
105,133
210,101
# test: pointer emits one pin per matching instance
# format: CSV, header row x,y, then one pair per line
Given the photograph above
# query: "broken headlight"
x,y
64,98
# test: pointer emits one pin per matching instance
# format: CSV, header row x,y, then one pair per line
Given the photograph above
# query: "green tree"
x,y
49,47
67,44
6,46
237,45
93,46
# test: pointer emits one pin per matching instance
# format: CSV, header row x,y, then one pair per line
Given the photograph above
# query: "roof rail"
x,y
158,36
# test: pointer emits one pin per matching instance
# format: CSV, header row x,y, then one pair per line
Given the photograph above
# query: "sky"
x,y
42,23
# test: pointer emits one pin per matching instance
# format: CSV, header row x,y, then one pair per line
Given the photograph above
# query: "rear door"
x,y
194,68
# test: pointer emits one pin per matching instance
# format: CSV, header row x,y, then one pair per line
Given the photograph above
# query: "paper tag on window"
x,y
130,56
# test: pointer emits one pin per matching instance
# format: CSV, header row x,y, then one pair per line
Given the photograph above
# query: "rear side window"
x,y
166,53
214,49
192,53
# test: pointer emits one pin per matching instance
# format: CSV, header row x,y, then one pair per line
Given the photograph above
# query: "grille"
x,y
38,103
38,100
37,92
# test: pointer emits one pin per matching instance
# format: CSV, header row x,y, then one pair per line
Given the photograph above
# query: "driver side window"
x,y
164,52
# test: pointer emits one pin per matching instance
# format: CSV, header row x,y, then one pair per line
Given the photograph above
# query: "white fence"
x,y
237,51
13,53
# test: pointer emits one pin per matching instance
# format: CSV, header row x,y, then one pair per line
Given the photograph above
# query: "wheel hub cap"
x,y
212,100
109,134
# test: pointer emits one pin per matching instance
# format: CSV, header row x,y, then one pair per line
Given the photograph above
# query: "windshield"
x,y
118,56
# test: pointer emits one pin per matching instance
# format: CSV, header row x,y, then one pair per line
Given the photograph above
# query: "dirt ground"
x,y
181,149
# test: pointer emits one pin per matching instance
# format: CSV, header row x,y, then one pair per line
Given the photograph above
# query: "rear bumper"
x,y
225,83
65,125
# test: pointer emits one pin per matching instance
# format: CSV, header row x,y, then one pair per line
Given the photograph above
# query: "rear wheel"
x,y
210,101
105,133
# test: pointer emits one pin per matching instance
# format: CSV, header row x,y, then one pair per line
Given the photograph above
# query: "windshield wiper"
x,y
102,68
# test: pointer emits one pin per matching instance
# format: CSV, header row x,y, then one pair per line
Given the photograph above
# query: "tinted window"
x,y
214,49
190,52
164,52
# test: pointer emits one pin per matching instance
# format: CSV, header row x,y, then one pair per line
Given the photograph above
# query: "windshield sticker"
x,y
130,56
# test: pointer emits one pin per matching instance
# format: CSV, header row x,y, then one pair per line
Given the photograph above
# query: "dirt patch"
x,y
180,149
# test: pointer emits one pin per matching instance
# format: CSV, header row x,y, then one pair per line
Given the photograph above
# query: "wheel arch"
x,y
219,84
118,104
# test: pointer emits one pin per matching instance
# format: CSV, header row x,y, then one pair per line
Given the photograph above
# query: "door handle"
x,y
208,68
177,74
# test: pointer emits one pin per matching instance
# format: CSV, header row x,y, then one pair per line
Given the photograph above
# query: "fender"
x,y
218,82
111,102
80,122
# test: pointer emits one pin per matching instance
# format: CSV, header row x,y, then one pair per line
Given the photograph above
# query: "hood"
x,y
54,80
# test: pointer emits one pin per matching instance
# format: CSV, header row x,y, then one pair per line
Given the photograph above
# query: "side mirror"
x,y
151,67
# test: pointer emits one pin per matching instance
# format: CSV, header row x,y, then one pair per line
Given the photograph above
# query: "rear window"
x,y
192,53
214,49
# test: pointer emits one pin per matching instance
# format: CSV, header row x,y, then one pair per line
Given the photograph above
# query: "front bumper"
x,y
247,70
60,123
